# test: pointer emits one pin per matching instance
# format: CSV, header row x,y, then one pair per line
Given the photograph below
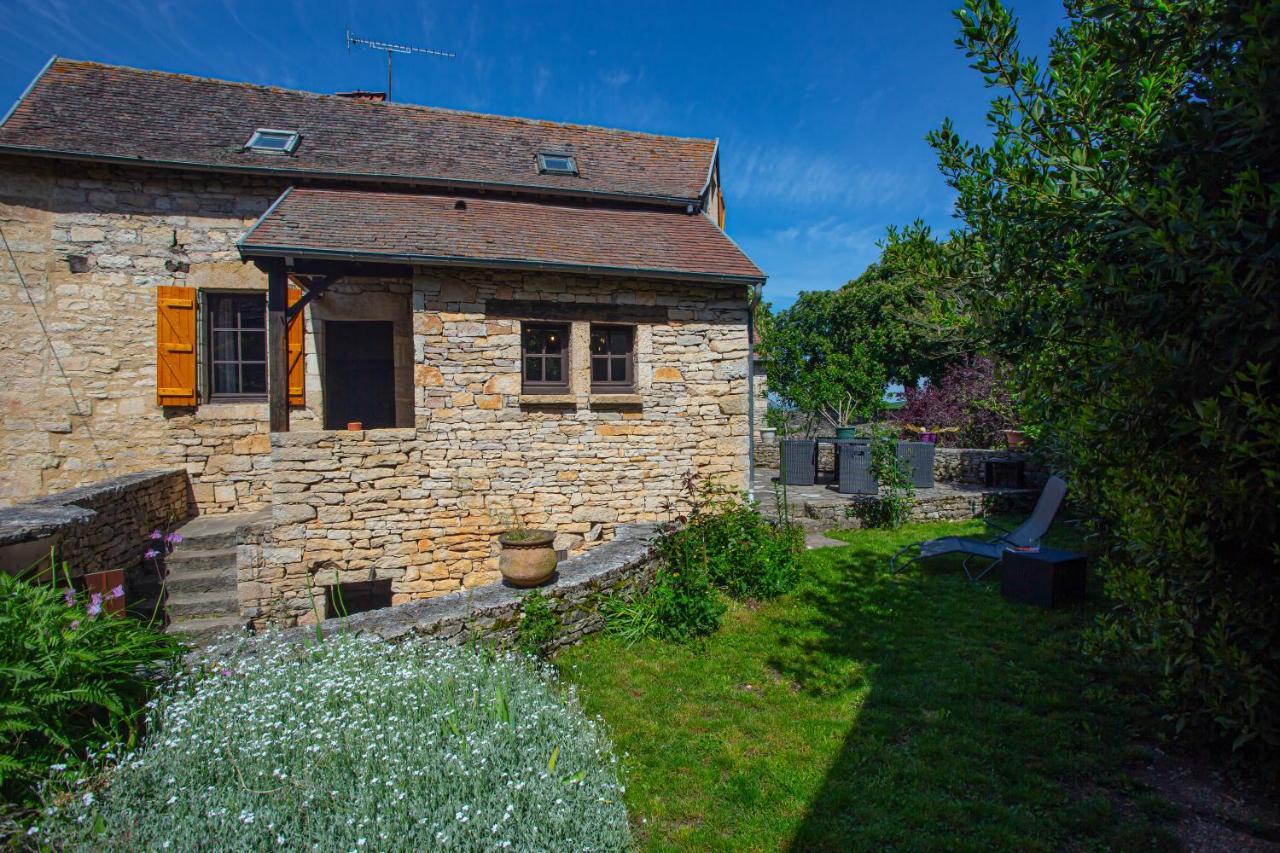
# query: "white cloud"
x,y
793,175
616,78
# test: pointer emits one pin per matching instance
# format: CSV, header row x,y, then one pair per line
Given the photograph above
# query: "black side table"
x,y
1046,578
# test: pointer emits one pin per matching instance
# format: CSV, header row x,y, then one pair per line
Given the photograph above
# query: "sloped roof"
x,y
448,230
85,109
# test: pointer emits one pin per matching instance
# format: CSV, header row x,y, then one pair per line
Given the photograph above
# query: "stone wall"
x,y
622,568
968,465
422,507
93,243
95,527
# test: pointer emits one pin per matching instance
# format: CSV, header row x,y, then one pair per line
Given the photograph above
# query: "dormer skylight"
x,y
268,141
556,164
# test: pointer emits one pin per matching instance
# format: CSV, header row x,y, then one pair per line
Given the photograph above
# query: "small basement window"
x,y
557,164
345,599
273,141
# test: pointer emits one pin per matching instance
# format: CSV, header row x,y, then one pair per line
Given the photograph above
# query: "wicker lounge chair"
x,y
1028,533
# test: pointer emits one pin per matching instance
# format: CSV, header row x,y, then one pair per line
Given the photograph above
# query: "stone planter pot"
x,y
528,557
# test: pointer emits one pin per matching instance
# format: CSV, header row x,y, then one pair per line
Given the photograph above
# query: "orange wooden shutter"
x,y
297,390
175,346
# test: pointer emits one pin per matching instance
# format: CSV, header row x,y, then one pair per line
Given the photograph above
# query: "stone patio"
x,y
821,507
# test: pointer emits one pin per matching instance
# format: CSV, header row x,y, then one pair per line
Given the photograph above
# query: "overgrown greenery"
x,y
1120,250
724,544
870,711
353,744
891,507
72,677
538,624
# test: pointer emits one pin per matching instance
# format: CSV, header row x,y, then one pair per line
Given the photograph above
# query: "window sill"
x,y
598,399
548,400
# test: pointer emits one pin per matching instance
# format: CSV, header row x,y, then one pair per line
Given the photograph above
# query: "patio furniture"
x,y
919,458
1028,534
853,469
1046,578
798,462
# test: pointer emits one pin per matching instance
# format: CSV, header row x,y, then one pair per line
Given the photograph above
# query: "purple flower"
x,y
151,554
226,673
173,538
75,623
156,534
116,592
95,604
69,596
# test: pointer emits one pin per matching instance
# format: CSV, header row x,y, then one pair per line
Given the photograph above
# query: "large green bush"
x,y
71,677
724,544
1121,251
355,744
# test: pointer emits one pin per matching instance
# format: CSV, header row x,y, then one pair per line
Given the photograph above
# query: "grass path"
x,y
867,712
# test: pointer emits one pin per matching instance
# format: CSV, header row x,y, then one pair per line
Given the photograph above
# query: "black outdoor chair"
x,y
798,462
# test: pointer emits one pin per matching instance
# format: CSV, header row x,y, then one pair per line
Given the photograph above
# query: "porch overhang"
x,y
356,226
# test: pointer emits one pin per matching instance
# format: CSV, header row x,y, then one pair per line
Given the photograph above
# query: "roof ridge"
x,y
62,60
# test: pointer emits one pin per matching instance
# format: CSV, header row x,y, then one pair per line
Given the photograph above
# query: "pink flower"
x,y
116,592
156,534
151,554
75,623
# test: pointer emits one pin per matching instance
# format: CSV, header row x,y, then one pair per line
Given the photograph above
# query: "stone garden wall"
x,y
622,568
95,527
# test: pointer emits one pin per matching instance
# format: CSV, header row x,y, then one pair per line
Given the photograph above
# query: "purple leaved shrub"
x,y
970,396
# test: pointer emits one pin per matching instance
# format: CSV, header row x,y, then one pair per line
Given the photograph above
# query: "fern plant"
x,y
71,677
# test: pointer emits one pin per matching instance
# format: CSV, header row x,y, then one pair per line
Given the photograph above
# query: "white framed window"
x,y
557,164
268,141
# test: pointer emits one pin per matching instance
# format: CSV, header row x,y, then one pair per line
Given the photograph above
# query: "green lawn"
x,y
869,711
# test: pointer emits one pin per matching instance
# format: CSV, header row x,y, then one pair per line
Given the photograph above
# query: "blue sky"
x,y
821,108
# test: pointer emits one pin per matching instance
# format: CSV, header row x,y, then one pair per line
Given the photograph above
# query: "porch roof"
x,y
407,228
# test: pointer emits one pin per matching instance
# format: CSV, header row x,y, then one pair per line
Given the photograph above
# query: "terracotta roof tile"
x,y
87,109
485,232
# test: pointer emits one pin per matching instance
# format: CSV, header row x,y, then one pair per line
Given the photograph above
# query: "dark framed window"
x,y
237,345
545,356
612,358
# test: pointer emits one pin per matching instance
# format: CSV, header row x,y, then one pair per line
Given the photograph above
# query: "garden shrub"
x,y
71,677
891,507
724,544
538,624
970,396
354,744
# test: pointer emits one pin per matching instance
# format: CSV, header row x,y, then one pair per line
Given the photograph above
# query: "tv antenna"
x,y
391,48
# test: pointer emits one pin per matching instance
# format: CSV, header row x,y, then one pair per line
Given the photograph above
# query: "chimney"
x,y
362,95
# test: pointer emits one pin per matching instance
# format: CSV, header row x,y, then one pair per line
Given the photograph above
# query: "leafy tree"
x,y
1120,243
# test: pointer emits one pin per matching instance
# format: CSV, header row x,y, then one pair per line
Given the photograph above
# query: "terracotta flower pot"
x,y
528,556
1015,439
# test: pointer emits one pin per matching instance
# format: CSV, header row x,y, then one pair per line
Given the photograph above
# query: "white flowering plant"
x,y
353,744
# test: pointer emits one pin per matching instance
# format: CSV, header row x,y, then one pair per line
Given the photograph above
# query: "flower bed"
x,y
355,743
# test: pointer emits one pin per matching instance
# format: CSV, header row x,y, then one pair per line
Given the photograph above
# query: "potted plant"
x,y
528,556
1016,439
843,390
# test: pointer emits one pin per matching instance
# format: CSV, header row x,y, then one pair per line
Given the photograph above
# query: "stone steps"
x,y
200,582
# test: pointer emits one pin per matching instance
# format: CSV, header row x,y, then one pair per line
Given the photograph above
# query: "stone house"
x,y
395,328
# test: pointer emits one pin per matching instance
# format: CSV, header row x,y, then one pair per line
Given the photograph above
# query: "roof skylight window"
x,y
557,164
273,141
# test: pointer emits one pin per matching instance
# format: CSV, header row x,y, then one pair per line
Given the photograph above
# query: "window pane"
x,y
225,380
599,343
532,339
222,312
253,379
533,369
224,346
253,346
554,340
599,370
619,370
553,370
619,341
253,312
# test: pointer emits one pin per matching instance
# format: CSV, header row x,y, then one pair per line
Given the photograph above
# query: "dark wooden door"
x,y
359,374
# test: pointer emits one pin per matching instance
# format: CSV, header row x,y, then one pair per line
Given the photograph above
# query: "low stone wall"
x,y
930,505
968,465
96,527
620,567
